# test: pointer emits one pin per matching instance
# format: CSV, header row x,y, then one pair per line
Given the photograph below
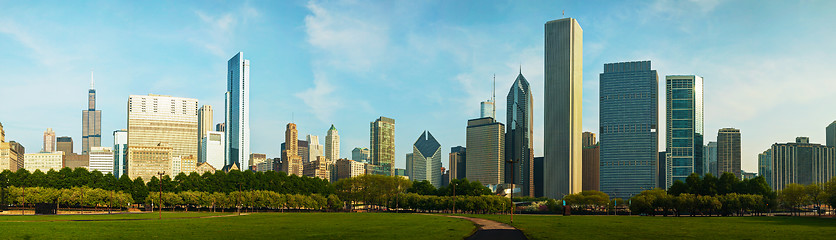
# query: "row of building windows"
x,y
628,128
628,96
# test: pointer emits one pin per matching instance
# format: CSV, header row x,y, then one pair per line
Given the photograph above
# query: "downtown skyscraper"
x,y
382,143
728,151
684,142
425,161
91,121
237,111
628,116
563,103
332,144
519,140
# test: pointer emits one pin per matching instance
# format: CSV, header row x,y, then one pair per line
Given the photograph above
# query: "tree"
x,y
816,195
423,188
792,196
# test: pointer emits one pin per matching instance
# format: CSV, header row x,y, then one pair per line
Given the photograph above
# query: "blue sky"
x,y
768,65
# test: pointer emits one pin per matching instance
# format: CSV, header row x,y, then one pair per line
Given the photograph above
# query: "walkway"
x,y
490,230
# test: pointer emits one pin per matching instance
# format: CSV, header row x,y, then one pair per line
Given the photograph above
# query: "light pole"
x,y
161,193
454,197
511,161
23,210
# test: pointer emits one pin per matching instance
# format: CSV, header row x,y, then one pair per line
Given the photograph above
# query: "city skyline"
x,y
62,73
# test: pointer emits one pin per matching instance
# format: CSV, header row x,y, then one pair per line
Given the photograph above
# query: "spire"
x,y
493,93
92,82
332,128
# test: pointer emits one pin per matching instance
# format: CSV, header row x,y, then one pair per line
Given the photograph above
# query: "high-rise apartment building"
x,y
710,158
156,120
204,124
765,165
519,136
591,162
728,151
91,121
382,143
43,161
120,152
49,141
213,149
237,111
101,159
360,154
563,102
458,162
332,144
684,141
145,161
314,148
64,144
830,135
426,160
801,162
485,143
349,168
628,124
292,162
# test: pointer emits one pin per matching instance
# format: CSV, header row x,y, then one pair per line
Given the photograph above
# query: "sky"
x,y
767,65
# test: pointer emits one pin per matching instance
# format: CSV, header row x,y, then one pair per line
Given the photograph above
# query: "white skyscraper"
x,y
237,112
332,144
314,148
213,149
101,159
49,141
120,152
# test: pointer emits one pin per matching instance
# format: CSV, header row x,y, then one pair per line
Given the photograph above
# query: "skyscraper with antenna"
x,y
91,121
489,106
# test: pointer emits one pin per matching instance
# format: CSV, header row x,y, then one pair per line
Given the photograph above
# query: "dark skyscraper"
x,y
728,151
64,144
458,161
518,135
91,121
628,121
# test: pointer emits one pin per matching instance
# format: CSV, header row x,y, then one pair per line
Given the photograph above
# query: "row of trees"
x,y
652,201
462,187
252,200
709,185
71,197
795,196
481,204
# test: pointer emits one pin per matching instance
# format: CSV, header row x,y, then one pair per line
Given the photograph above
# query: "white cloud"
x,y
218,31
321,100
347,41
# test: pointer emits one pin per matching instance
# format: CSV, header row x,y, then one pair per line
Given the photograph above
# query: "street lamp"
x,y
511,161
161,193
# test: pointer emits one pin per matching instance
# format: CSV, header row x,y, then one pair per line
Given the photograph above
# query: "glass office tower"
x,y
684,142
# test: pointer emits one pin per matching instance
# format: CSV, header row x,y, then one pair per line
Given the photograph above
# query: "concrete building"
x,y
563,107
684,129
426,160
237,110
332,144
74,161
64,144
710,158
292,162
629,128
213,149
188,164
349,168
158,120
728,151
360,154
101,159
485,143
401,172
319,168
588,139
382,143
458,162
43,161
591,165
120,153
91,121
519,136
204,167
256,159
314,148
204,125
145,161
11,153
801,162
765,166
49,141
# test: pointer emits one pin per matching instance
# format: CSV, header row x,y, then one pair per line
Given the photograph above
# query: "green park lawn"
x,y
637,227
252,226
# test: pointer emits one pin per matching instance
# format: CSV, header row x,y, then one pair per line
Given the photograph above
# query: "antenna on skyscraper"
x,y
493,92
92,82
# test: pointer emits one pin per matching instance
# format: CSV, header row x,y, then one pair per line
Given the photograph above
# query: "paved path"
x,y
489,230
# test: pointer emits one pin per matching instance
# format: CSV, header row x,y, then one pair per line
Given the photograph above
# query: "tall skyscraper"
x,y
360,154
519,136
64,144
220,127
157,120
728,151
426,159
801,162
101,159
410,168
458,162
710,158
120,153
684,142
204,124
290,155
591,167
629,122
830,134
588,139
485,151
563,103
382,143
212,149
332,144
765,165
49,141
538,176
314,148
91,121
488,109
237,111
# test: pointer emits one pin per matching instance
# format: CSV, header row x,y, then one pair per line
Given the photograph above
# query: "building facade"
x,y
485,143
213,149
314,148
519,136
237,110
628,123
728,151
49,141
158,120
710,158
426,160
256,159
332,144
801,162
292,162
684,142
43,161
11,153
145,161
101,159
765,166
204,124
458,162
591,165
830,135
382,143
91,121
563,107
347,168
64,144
538,177
120,153
360,154
319,168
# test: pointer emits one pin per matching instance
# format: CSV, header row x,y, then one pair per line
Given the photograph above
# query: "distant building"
x,y
43,161
332,144
220,127
382,143
538,176
830,134
314,148
91,122
64,144
378,170
664,171
292,162
237,111
204,167
49,141
349,168
458,156
155,122
101,159
188,165
588,139
426,160
592,167
204,125
400,172
360,154
213,149
410,165
801,162
256,159
146,161
11,153
486,151
684,141
229,168
747,175
488,109
765,166
318,168
445,177
728,151
710,158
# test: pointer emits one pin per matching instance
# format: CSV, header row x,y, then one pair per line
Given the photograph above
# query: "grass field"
x,y
252,226
635,227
